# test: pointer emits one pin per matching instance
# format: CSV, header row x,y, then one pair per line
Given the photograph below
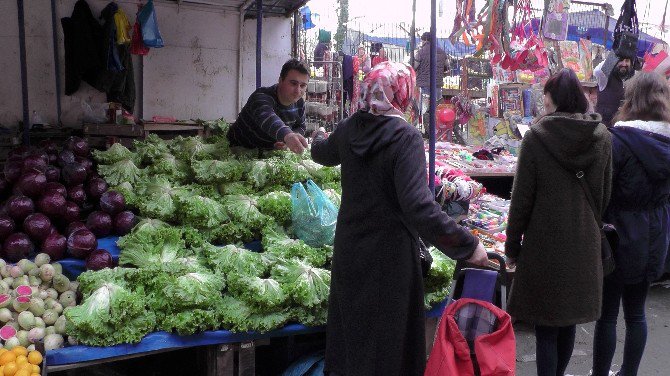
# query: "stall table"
x,y
223,347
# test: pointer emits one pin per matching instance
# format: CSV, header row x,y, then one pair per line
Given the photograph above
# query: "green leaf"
x,y
213,171
264,293
277,205
123,171
115,153
147,247
201,212
233,261
308,286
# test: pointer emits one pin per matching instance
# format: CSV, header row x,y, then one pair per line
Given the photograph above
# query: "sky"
x,y
649,11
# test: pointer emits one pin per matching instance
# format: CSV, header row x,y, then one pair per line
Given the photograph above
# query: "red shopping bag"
x,y
137,46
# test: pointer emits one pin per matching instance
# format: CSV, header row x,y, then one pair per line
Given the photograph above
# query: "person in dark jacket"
x,y
610,97
376,314
552,235
640,211
422,66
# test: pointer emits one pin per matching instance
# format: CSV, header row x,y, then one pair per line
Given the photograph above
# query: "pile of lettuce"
x,y
185,266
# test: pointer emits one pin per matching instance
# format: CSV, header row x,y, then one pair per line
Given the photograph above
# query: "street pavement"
x,y
656,360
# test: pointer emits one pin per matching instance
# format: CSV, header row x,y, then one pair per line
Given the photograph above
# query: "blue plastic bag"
x,y
151,36
314,215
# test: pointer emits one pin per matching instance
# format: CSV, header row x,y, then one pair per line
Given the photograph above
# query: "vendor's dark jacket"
x,y
376,312
551,229
639,208
422,65
264,120
609,100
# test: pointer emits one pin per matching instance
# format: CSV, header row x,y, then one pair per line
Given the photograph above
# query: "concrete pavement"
x,y
656,360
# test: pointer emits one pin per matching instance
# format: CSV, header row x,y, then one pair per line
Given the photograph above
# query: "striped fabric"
x,y
473,321
264,121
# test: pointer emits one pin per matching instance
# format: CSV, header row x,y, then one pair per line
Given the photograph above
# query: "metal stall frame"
x,y
324,103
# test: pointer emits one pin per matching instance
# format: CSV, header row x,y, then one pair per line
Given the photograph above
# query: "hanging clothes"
x,y
348,77
122,27
83,51
356,85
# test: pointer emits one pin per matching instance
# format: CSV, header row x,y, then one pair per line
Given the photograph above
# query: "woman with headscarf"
x,y
376,312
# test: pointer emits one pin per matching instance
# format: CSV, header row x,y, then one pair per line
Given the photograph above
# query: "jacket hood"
x,y
649,142
575,140
109,11
371,133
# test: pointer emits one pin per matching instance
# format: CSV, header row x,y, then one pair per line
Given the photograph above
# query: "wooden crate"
x,y
102,135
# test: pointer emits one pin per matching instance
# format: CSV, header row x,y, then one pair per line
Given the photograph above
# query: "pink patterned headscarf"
x,y
387,89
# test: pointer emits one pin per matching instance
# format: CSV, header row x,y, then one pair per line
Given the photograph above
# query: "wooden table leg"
x,y
247,359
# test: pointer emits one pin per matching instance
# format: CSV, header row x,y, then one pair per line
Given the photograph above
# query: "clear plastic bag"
x,y
314,215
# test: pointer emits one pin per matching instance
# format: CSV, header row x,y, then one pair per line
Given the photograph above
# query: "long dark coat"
x,y
640,209
376,316
558,279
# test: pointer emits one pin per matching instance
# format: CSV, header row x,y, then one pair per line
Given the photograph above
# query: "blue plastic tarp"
x,y
73,267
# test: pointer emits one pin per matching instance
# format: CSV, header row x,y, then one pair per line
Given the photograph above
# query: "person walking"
x,y
558,279
376,314
640,211
422,66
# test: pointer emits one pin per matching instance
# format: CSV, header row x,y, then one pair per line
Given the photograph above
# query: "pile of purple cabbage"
x,y
53,201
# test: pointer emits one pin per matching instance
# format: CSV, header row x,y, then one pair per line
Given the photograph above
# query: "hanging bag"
x,y
137,46
151,36
626,31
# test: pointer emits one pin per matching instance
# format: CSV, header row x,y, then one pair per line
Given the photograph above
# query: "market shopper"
x,y
376,316
558,279
611,90
640,211
422,66
380,58
363,60
274,117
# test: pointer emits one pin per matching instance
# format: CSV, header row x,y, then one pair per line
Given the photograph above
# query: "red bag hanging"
x,y
137,46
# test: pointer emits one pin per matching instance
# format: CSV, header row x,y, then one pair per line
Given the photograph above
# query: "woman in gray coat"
x,y
552,235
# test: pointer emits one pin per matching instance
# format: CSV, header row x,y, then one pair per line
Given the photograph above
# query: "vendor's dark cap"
x,y
425,36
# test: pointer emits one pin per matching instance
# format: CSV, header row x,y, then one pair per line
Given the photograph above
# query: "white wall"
x,y
194,76
10,84
276,44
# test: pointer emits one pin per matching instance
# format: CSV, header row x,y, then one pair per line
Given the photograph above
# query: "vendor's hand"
x,y
280,145
295,142
479,257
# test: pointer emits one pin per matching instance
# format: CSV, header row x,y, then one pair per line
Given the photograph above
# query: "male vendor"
x,y
274,117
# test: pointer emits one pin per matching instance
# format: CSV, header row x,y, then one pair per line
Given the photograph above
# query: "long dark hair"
x,y
566,92
646,97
